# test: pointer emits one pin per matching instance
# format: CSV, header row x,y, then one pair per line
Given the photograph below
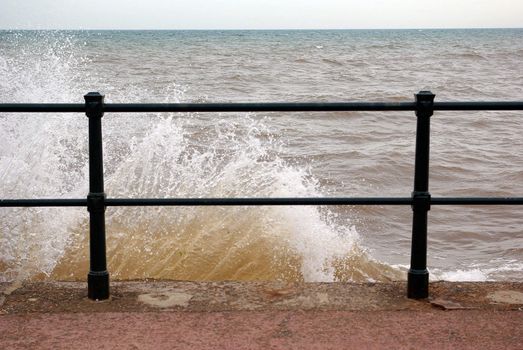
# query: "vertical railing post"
x,y
418,276
98,277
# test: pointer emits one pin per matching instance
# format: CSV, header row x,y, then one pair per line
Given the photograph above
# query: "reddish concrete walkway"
x,y
458,329
257,315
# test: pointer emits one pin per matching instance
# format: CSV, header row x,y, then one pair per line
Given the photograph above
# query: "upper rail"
x,y
259,107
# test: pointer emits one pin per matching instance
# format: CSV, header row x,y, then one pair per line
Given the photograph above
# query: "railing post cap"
x,y
424,103
425,95
94,96
94,104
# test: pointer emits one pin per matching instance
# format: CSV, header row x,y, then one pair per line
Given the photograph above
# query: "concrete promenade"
x,y
261,315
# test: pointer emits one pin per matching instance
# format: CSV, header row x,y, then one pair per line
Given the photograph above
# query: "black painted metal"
x,y
479,106
263,107
418,275
307,201
254,201
476,201
129,202
43,107
420,200
28,203
258,107
98,276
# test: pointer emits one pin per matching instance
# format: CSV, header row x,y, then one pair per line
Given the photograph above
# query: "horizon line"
x,y
253,29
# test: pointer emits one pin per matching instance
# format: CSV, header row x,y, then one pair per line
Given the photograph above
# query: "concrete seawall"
x,y
261,315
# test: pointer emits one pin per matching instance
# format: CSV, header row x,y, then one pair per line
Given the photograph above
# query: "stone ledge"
x,y
177,296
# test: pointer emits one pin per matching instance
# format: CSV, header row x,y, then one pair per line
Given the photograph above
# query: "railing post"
x,y
98,277
418,276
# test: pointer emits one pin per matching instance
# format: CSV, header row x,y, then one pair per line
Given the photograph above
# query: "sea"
x,y
277,154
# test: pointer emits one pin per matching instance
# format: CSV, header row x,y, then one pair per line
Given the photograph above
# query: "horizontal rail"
x,y
476,201
479,106
310,201
255,201
43,107
127,202
11,203
262,107
257,107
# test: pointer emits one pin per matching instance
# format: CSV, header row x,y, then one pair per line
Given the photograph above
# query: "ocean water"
x,y
262,154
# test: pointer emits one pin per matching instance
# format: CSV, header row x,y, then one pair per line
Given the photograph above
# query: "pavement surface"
x,y
261,315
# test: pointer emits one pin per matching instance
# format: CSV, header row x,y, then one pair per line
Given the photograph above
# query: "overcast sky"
x,y
258,14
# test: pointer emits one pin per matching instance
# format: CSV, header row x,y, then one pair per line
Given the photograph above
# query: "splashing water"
x,y
42,156
156,155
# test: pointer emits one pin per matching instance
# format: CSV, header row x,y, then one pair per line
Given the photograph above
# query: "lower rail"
x,y
130,202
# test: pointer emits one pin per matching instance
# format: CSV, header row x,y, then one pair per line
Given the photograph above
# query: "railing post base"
x,y
98,285
418,284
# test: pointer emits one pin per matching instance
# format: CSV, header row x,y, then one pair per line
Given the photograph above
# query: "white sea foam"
x,y
42,156
473,275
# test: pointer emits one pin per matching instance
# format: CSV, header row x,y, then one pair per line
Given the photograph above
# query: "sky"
x,y
259,14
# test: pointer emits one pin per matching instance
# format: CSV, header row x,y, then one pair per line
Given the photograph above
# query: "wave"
x,y
465,56
159,155
332,62
302,60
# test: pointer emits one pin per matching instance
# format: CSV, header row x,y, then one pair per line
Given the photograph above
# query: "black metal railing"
x,y
420,199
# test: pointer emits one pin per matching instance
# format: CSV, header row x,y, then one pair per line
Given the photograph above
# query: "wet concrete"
x,y
261,315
